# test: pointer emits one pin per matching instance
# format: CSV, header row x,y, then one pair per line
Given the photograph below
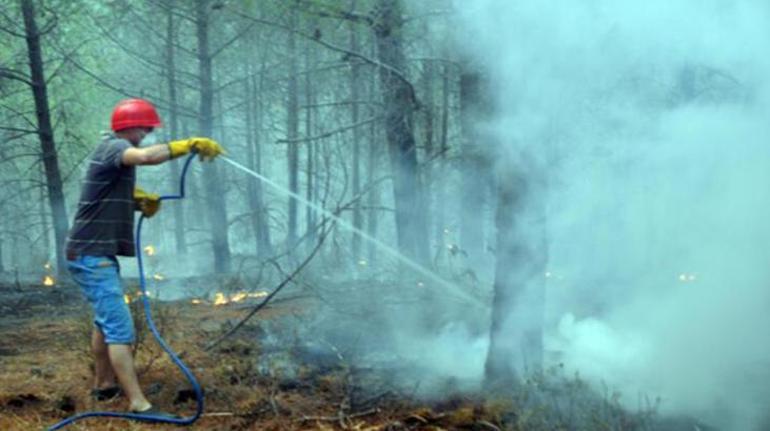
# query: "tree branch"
x,y
331,132
15,75
400,75
342,14
275,291
231,41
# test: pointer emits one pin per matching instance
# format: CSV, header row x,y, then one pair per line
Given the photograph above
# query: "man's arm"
x,y
152,155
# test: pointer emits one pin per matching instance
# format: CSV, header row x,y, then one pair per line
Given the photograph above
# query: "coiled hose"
x,y
151,324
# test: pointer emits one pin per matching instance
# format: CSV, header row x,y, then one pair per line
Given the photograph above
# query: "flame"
x,y
47,265
48,281
238,297
127,299
149,250
220,299
158,277
196,301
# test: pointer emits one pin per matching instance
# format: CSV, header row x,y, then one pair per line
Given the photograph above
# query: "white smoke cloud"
x,y
651,120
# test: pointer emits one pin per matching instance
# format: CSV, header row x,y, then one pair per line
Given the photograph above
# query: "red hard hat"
x,y
134,113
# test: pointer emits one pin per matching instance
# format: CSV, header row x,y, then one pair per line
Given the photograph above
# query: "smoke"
x,y
649,120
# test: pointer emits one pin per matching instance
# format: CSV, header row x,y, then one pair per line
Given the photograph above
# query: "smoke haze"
x,y
649,120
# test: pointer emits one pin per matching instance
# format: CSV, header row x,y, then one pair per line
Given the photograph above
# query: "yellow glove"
x,y
147,203
205,147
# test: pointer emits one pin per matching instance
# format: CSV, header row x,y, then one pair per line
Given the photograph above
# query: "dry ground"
x,y
45,371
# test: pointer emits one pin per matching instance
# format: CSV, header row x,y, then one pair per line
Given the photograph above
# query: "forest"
x,y
385,215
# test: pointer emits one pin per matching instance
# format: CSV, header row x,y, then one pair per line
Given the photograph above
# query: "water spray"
x,y
379,244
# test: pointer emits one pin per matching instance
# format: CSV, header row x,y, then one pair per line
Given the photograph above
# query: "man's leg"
x,y
123,363
105,376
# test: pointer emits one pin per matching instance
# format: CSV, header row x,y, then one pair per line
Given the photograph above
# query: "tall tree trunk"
x,y
429,70
310,99
519,289
45,132
44,216
215,191
251,158
400,104
355,97
173,130
263,234
292,130
474,171
373,196
440,189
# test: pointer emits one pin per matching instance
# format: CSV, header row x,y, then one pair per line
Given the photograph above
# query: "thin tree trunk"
x,y
251,189
429,71
173,130
519,290
263,234
215,191
475,166
355,96
309,165
44,216
292,131
400,104
440,189
373,196
45,132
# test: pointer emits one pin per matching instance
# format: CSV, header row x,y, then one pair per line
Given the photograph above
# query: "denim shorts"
x,y
99,277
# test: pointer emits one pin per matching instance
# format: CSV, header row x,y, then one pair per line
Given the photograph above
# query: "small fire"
x,y
149,250
196,301
127,299
238,297
47,266
48,281
158,277
220,299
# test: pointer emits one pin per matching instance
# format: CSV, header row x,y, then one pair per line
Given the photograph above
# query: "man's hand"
x,y
147,203
206,148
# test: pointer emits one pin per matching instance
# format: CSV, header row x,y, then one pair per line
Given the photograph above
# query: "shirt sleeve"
x,y
113,156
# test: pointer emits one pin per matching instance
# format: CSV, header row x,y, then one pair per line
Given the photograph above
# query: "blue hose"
x,y
186,371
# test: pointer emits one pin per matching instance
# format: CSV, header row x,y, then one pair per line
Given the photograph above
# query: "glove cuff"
x,y
177,149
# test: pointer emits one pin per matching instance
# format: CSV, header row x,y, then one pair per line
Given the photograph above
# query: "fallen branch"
x,y
337,418
275,291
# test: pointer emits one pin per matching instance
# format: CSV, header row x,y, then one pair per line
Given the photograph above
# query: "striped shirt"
x,y
104,221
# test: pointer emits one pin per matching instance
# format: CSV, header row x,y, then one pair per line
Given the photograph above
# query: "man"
x,y
104,228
